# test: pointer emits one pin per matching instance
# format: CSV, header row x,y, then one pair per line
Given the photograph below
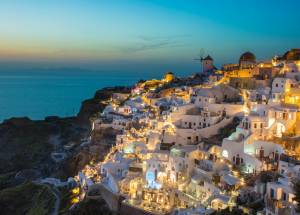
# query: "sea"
x,y
37,93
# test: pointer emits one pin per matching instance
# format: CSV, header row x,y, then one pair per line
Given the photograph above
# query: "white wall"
x,y
231,109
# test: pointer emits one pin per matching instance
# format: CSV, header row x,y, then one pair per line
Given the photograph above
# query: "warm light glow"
x,y
225,154
75,200
76,190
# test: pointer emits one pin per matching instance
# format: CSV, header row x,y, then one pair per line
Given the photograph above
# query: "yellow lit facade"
x,y
292,96
240,73
169,77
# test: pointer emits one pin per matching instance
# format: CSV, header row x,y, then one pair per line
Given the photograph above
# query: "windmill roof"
x,y
208,57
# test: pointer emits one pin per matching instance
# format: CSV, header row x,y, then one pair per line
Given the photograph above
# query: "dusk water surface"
x,y
37,94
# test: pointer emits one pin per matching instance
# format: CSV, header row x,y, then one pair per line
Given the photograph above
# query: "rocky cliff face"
x,y
92,106
26,145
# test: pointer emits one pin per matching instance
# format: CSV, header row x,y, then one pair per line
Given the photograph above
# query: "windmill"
x,y
201,57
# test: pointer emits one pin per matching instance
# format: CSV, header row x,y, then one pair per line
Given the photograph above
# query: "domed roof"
x,y
293,54
248,56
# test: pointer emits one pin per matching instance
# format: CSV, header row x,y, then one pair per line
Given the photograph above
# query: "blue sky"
x,y
143,35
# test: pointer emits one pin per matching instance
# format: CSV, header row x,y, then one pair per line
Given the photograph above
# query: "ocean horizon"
x,y
37,93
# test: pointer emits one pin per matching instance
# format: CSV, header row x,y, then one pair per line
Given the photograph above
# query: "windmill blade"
x,y
202,53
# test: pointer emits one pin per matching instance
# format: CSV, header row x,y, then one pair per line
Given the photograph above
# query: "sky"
x,y
143,35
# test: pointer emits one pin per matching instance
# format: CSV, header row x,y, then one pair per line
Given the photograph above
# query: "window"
x,y
284,196
276,85
254,125
272,193
261,125
285,116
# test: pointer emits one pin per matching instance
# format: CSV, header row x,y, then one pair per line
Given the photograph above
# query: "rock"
x,y
52,118
96,104
14,121
28,175
26,148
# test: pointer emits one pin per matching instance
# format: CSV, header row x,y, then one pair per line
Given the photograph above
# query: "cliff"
x,y
26,147
90,107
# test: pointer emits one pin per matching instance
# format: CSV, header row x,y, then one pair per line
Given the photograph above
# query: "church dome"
x,y
293,54
247,57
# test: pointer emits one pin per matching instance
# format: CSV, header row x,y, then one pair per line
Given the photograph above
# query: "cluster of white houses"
x,y
164,160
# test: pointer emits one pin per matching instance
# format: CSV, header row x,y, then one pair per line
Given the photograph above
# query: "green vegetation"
x,y
65,201
229,129
5,179
27,198
256,206
24,144
92,207
223,133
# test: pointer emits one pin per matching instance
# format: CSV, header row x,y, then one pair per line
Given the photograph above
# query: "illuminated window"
x,y
225,153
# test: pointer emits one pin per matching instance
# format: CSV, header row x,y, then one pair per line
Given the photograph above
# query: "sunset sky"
x,y
139,34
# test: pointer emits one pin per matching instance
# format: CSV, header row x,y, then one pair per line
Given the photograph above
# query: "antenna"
x,y
201,57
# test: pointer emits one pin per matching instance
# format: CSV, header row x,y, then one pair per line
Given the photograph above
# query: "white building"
x,y
279,87
279,197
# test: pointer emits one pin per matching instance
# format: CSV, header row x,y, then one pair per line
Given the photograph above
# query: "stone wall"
x,y
113,200
231,109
